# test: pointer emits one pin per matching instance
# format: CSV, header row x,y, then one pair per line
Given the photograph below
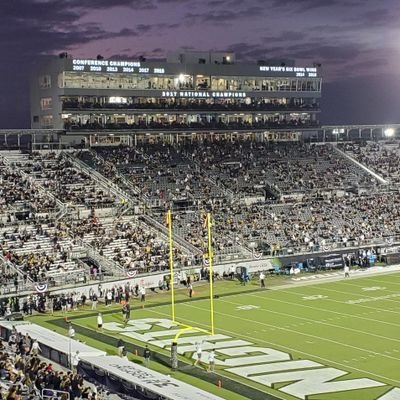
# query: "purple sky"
x,y
356,41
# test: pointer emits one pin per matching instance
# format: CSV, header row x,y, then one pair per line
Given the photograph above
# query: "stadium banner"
x,y
152,381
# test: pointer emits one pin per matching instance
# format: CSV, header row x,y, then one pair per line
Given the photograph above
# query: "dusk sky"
x,y
356,41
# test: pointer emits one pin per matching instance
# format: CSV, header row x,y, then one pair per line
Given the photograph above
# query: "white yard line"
x,y
297,332
279,346
269,311
327,310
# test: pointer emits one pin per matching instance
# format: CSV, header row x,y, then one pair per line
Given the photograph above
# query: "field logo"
x,y
264,365
315,297
372,288
247,307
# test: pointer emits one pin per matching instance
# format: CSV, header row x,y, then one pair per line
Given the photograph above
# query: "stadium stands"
x,y
265,198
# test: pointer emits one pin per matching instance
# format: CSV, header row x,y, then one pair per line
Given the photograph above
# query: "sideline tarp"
x,y
52,339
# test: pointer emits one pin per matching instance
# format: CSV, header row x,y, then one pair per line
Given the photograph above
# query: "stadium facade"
x,y
187,92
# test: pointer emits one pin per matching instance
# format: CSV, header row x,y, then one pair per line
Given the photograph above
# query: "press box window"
x,y
46,103
47,121
45,82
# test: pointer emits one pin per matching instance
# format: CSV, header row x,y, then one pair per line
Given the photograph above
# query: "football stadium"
x,y
187,229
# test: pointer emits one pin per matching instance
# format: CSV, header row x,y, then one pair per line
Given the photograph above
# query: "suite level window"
x,y
47,122
45,82
46,103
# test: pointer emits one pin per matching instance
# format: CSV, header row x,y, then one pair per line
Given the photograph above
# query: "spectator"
x,y
146,356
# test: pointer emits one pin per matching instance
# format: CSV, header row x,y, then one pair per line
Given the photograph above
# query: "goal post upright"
x,y
184,328
171,263
210,263
208,224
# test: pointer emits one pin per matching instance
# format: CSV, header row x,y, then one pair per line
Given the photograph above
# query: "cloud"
x,y
286,36
347,36
212,16
107,4
307,5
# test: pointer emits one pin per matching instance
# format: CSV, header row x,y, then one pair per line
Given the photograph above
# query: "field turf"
x,y
349,324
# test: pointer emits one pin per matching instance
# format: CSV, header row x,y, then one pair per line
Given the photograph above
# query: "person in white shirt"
x,y
71,332
211,361
100,321
190,287
142,292
108,298
198,353
75,361
346,271
262,279
35,349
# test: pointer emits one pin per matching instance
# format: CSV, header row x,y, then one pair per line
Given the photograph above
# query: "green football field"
x,y
295,333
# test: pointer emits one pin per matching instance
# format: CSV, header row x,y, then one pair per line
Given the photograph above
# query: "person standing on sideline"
x,y
50,305
346,271
198,353
71,332
94,301
262,279
100,321
127,313
124,313
124,355
190,287
146,356
75,361
211,361
142,292
120,346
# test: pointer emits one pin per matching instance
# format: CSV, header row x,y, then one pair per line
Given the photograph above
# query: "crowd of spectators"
x,y
130,243
383,158
218,176
39,251
17,193
201,169
24,375
263,196
65,182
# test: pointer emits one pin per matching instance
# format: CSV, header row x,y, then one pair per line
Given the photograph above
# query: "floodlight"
x,y
389,132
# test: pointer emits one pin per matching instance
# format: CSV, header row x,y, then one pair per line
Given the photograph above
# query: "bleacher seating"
x,y
265,197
